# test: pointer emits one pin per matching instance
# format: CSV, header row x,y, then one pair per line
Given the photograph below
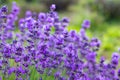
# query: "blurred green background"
x,y
103,14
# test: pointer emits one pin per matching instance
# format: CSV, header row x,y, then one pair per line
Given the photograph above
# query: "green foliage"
x,y
110,9
61,4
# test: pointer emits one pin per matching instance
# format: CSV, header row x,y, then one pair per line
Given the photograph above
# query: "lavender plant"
x,y
63,54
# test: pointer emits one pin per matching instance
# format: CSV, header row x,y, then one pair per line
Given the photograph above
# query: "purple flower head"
x,y
115,58
57,74
21,22
91,57
102,59
11,70
119,72
41,78
28,14
115,61
115,54
42,17
4,9
53,7
15,9
86,24
82,32
65,20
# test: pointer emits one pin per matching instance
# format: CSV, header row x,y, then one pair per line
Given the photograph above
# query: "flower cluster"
x,y
43,41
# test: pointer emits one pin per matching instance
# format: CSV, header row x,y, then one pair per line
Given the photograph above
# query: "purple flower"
x,y
42,17
4,9
51,52
86,24
28,14
115,58
53,7
15,9
119,72
11,70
